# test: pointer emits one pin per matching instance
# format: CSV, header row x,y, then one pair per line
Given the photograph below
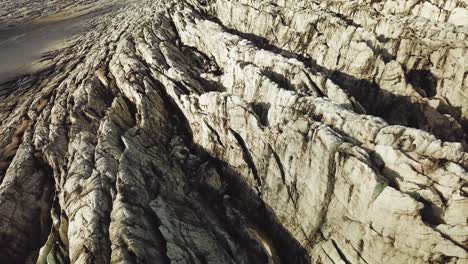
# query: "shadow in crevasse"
x,y
27,230
431,213
244,214
283,81
424,80
236,204
261,109
395,109
402,110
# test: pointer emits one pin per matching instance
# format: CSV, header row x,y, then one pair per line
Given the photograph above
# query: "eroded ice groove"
x,y
243,132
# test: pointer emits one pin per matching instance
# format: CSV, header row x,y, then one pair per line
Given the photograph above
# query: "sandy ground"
x,y
20,11
22,45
